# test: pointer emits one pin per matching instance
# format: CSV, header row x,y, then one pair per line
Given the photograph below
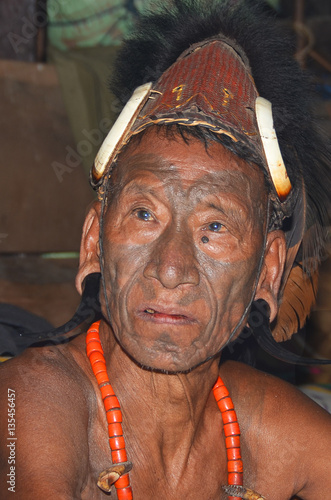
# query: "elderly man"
x,y
203,223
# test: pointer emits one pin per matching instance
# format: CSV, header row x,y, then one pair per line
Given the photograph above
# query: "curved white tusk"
x,y
277,170
117,132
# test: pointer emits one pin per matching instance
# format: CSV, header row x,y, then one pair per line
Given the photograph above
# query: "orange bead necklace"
x,y
118,474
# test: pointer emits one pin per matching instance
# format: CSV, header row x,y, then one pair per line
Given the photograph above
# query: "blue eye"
x,y
215,226
144,215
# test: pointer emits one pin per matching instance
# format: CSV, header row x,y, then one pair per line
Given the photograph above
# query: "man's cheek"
x,y
233,286
121,262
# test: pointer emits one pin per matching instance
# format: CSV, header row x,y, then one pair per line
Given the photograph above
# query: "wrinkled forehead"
x,y
155,160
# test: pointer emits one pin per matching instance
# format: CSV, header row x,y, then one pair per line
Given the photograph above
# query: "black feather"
x,y
259,323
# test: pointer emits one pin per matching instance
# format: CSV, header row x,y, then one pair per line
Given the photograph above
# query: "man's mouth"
x,y
164,316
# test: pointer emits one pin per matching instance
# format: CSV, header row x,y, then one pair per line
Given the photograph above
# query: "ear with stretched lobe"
x,y
89,247
272,271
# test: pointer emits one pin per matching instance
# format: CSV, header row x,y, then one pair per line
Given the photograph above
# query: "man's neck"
x,y
171,407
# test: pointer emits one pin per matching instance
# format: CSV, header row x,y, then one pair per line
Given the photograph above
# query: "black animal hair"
x,y
162,35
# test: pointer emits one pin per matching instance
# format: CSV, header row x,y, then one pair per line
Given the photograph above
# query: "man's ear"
x,y
89,247
272,271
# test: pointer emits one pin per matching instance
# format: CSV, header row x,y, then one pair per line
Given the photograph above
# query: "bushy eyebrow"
x,y
218,208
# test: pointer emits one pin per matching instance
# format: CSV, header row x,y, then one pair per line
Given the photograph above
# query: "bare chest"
x,y
199,477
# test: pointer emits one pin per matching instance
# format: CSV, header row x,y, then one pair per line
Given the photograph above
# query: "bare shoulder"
x,y
56,370
47,395
269,397
286,433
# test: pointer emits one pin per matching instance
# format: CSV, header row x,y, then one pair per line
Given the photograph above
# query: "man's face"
x,y
183,238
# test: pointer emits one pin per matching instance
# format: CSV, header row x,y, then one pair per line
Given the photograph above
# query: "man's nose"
x,y
173,262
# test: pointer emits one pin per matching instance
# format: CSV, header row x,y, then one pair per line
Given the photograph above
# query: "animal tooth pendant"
x,y
109,476
241,492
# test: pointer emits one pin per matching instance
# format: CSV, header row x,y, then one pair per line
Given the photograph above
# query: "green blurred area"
x,y
86,23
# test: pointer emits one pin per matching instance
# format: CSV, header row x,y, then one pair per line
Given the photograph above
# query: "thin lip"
x,y
172,314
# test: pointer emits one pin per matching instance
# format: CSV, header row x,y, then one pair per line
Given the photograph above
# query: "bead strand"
x,y
113,410
232,434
